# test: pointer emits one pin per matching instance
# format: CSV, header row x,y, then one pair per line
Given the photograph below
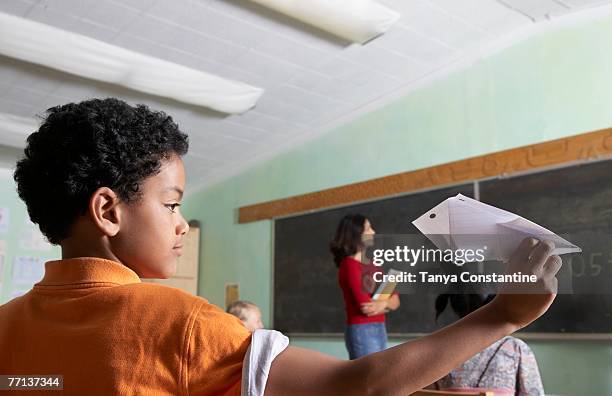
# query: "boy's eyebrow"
x,y
177,189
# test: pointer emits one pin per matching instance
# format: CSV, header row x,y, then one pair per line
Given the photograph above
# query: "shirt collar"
x,y
87,270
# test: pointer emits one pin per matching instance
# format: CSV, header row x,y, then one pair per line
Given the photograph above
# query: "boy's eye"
x,y
172,207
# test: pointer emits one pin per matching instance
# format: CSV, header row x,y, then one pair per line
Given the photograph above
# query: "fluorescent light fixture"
x,y
355,20
86,57
14,130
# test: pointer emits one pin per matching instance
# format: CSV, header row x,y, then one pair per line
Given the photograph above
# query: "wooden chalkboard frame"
x,y
539,156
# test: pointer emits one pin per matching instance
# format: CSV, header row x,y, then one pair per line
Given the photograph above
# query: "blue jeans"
x,y
363,339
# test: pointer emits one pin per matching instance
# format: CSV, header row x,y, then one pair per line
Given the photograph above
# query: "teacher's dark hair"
x,y
348,239
462,304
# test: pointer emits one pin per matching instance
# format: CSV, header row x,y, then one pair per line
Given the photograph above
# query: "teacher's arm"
x,y
393,303
355,283
377,307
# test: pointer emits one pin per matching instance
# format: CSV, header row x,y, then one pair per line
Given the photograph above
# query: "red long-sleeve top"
x,y
358,285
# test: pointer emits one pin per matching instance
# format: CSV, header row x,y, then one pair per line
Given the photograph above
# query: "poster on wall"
x,y
30,238
4,219
28,270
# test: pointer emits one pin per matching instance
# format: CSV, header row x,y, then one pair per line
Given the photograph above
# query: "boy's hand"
x,y
522,303
375,307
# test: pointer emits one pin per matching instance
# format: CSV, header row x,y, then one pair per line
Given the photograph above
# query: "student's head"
x,y
248,313
103,178
350,236
461,304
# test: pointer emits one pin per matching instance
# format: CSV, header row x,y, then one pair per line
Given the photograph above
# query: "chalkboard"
x,y
307,298
576,200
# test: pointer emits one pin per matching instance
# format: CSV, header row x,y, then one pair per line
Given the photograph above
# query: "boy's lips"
x,y
178,249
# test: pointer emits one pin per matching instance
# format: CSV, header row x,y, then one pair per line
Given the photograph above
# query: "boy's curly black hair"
x,y
81,147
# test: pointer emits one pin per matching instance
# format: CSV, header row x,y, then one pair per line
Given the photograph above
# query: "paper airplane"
x,y
461,222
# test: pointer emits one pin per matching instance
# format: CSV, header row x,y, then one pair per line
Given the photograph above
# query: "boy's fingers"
x,y
521,254
540,254
547,277
552,266
551,285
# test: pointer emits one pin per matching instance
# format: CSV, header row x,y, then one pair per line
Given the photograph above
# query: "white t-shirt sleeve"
x,y
265,346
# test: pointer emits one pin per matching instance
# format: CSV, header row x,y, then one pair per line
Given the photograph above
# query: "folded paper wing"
x,y
461,222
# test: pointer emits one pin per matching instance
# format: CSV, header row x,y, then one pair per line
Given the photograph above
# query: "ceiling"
x,y
312,80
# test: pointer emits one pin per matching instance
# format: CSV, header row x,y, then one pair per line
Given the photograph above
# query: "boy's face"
x,y
252,319
151,229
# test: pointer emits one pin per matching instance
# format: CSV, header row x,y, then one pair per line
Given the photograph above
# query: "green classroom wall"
x,y
554,84
17,239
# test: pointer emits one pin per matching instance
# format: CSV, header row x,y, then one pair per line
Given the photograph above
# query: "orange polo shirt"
x,y
94,322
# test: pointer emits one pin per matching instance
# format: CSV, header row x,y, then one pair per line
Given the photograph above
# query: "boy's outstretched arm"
x,y
411,366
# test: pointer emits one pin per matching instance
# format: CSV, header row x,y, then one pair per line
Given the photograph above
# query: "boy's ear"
x,y
104,211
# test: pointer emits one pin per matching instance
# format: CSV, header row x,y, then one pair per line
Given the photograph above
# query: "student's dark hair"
x,y
81,147
348,239
462,304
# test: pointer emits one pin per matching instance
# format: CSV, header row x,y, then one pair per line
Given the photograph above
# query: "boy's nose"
x,y
183,227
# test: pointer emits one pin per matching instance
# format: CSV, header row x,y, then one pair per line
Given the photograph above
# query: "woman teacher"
x,y
365,318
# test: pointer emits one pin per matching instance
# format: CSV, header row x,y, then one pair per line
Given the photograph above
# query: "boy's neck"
x,y
74,247
70,252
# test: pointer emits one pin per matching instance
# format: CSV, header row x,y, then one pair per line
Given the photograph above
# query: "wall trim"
x,y
582,147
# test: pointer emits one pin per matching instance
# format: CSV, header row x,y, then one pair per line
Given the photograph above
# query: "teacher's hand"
x,y
372,308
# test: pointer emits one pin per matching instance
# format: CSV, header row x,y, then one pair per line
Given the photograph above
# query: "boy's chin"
x,y
168,271
164,271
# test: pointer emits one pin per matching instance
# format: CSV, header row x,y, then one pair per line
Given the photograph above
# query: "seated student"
x,y
507,366
248,313
104,180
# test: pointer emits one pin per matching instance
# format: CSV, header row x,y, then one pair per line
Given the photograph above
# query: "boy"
x,y
248,313
104,180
